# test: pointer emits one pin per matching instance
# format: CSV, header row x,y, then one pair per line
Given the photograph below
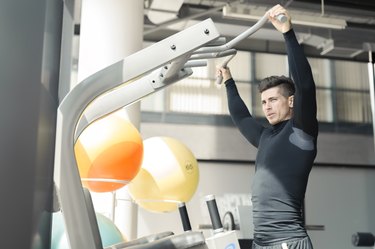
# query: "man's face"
x,y
275,106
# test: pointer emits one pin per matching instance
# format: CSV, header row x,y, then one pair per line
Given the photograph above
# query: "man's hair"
x,y
286,84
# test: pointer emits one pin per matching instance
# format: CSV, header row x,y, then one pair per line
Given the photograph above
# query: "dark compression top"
x,y
286,152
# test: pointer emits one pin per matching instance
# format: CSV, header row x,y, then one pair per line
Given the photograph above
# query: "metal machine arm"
x,y
121,84
69,189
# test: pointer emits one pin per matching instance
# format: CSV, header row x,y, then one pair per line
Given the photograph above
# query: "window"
x,y
342,88
352,92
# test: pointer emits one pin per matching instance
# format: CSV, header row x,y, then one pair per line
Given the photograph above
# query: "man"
x,y
286,149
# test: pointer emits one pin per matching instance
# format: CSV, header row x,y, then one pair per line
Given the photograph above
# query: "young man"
x,y
286,149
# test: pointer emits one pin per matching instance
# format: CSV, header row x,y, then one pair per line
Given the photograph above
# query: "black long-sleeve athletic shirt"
x,y
286,152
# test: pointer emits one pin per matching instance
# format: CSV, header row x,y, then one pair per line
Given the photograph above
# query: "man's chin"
x,y
271,122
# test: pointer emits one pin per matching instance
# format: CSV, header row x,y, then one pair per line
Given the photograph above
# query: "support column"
x,y
29,70
67,47
110,31
371,77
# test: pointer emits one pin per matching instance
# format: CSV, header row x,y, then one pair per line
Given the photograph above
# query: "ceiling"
x,y
166,17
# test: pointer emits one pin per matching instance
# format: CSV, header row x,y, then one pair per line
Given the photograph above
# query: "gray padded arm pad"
x,y
180,241
142,240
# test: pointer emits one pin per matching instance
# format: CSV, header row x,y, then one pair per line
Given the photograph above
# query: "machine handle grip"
x,y
184,216
282,18
214,214
363,239
219,80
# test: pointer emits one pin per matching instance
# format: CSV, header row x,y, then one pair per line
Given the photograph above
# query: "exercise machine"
x,y
118,85
221,239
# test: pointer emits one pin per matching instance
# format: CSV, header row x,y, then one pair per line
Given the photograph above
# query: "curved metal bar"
x,y
237,39
259,24
213,55
219,78
208,52
76,212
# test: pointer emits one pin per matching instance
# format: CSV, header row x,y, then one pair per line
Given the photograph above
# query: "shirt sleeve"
x,y
241,116
304,106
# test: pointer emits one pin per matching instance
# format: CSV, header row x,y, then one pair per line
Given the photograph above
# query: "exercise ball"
x,y
109,153
109,232
169,175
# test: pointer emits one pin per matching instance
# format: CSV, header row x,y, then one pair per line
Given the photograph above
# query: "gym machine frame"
x,y
116,86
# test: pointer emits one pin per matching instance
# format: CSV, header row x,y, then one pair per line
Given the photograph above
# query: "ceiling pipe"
x,y
178,20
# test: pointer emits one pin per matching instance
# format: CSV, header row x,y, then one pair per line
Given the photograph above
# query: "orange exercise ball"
x,y
169,175
109,153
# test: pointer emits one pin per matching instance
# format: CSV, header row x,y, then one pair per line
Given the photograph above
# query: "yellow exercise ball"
x,y
109,153
169,175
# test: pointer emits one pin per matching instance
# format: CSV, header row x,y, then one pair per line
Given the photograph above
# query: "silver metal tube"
x,y
371,69
237,39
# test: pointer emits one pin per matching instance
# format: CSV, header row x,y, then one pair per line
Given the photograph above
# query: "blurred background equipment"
x,y
363,239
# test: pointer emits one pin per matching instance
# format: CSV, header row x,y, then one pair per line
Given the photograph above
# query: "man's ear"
x,y
291,101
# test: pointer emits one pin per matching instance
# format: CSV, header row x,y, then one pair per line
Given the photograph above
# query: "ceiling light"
x,y
298,17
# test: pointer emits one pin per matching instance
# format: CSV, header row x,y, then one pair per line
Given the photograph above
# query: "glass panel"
x,y
194,95
351,75
353,107
324,105
270,64
353,100
240,66
321,72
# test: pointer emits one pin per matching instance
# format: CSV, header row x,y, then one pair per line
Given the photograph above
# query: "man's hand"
x,y
224,72
272,16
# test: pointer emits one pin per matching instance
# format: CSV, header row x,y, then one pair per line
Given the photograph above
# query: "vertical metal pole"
x,y
372,91
110,31
66,61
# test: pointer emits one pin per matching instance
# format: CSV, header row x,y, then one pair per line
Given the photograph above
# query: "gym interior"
x,y
62,63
